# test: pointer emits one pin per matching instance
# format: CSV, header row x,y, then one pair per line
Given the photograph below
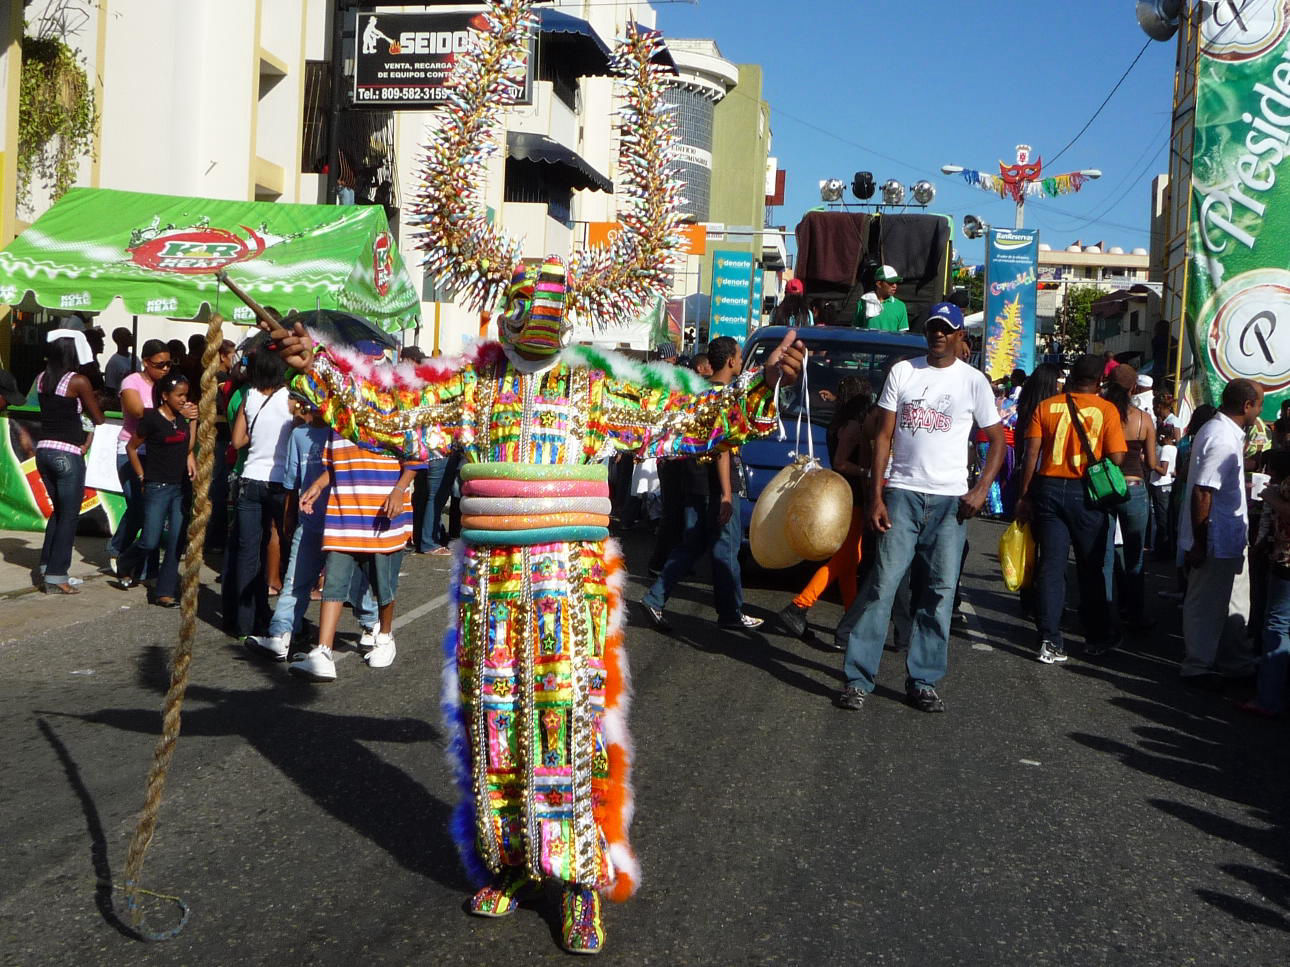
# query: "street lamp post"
x,y
1024,179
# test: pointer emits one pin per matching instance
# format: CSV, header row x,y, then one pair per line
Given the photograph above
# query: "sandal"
x,y
582,931
47,588
166,603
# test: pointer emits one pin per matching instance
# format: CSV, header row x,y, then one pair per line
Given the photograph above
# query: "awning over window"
x,y
578,41
524,146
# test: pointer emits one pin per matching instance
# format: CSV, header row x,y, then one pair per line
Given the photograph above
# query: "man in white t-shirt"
x,y
920,511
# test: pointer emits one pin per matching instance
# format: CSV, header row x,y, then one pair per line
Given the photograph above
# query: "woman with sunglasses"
x,y
136,398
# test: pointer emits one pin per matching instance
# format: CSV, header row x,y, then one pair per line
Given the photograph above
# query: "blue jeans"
x,y
702,534
259,504
440,475
1276,643
1064,518
127,528
303,567
924,528
1162,523
1130,560
63,474
163,522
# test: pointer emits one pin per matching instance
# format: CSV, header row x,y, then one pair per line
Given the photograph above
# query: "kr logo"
x,y
1237,30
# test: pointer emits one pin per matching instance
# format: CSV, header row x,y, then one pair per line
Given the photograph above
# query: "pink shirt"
x,y
143,386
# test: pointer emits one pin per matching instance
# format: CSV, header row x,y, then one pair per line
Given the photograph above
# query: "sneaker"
x,y
924,698
850,698
111,565
273,647
656,619
581,929
1096,649
382,653
745,622
793,620
367,640
1051,653
316,665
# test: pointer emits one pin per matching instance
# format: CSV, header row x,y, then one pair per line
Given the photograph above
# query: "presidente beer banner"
x,y
1012,274
1238,285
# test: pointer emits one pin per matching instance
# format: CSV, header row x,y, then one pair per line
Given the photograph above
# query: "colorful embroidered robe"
x,y
536,684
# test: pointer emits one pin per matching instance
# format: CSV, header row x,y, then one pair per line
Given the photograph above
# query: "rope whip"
x,y
183,654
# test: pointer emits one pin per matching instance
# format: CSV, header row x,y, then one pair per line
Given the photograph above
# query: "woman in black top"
x,y
166,466
60,457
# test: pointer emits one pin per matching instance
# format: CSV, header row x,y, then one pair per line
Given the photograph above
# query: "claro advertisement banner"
x,y
1238,284
403,60
1012,258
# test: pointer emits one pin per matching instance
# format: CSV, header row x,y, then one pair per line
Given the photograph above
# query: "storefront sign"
x,y
403,60
732,293
1238,290
1012,273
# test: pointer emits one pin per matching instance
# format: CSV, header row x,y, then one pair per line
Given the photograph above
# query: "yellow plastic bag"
x,y
1017,556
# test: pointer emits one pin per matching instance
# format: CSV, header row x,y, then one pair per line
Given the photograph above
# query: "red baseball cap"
x,y
795,287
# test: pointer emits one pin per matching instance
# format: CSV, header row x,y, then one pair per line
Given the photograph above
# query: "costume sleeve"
x,y
658,415
382,407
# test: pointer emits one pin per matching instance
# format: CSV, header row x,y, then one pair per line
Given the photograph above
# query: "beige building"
x,y
1106,269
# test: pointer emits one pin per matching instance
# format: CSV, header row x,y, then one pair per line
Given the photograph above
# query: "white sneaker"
x,y
367,640
382,654
274,647
316,665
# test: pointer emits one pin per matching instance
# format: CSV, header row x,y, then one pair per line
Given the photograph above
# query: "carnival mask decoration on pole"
x,y
464,252
1016,177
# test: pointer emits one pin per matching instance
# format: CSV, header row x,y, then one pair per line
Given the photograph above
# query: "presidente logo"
x,y
1249,334
1238,30
192,251
383,263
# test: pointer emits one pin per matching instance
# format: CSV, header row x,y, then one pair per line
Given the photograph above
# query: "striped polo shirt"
x,y
360,482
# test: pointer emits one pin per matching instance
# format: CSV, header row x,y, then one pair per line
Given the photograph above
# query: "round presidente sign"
x,y
193,251
1236,30
1248,335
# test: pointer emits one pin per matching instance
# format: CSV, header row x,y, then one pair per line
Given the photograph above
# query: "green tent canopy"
x,y
159,253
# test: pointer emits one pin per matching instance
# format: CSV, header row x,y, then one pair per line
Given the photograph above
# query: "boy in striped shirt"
x,y
367,525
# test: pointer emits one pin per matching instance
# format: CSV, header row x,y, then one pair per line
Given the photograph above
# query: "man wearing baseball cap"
x,y
920,508
880,309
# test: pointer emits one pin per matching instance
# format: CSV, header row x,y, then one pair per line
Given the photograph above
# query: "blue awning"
x,y
551,21
526,146
574,41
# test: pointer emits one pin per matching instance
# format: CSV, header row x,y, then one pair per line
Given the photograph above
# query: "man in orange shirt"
x,y
1054,499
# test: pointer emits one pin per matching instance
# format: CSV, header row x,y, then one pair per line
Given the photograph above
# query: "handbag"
x,y
1103,481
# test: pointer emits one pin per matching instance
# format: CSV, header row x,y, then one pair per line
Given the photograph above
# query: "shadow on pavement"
x,y
323,754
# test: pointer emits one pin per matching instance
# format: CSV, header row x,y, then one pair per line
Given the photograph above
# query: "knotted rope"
x,y
183,655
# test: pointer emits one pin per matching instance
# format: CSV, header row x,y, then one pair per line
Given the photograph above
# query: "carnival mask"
x,y
1016,177
533,314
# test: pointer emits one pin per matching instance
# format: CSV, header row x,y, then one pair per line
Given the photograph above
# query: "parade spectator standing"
x,y
1274,543
928,408
1134,515
136,399
165,468
305,562
880,309
1054,497
712,522
122,362
1213,539
262,426
1161,540
793,311
366,529
64,396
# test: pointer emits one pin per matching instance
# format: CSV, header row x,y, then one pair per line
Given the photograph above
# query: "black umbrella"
x,y
333,326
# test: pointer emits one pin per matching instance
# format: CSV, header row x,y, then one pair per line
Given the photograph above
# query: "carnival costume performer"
x,y
535,681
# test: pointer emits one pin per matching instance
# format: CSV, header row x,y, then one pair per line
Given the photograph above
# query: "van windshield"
x,y
827,365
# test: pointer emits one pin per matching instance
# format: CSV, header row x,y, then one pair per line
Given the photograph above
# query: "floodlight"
x,y
831,190
893,192
1159,19
924,192
973,227
862,185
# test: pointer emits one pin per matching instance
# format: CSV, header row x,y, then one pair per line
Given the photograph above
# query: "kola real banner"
x,y
1238,282
1012,274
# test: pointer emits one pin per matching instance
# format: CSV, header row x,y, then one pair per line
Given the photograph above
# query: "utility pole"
x,y
1023,179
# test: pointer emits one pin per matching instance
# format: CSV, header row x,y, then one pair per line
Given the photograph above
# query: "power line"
x,y
1105,101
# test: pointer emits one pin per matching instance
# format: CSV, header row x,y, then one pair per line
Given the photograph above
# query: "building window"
x,y
1134,325
552,68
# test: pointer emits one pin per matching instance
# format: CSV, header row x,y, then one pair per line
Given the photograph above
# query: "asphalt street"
x,y
1090,813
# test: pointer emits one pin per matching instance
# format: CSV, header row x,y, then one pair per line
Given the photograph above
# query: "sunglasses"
x,y
163,365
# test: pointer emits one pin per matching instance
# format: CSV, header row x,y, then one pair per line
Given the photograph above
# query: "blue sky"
x,y
900,87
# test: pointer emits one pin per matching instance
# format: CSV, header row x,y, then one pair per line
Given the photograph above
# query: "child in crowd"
x,y
305,450
165,468
362,531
